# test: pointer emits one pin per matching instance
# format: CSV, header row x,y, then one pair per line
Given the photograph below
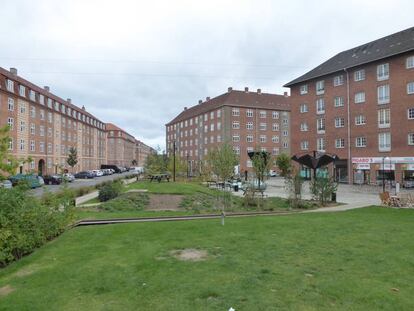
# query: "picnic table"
x,y
159,177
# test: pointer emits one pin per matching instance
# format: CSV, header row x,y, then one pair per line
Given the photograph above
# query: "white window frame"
x,y
410,139
339,143
409,63
275,115
249,113
338,80
384,118
359,97
303,89
303,108
235,112
249,125
10,104
275,139
304,127
383,72
304,145
383,144
338,101
383,94
320,144
249,138
360,142
235,125
410,113
360,120
320,87
359,75
262,114
263,138
339,122
263,126
410,88
320,125
320,106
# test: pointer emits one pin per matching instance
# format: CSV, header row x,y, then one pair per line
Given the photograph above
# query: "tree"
x,y
294,183
180,165
72,157
8,163
284,164
261,162
156,163
322,189
222,161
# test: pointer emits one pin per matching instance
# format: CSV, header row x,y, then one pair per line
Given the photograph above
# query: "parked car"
x,y
273,173
115,168
84,175
98,173
41,180
6,184
68,177
31,180
53,179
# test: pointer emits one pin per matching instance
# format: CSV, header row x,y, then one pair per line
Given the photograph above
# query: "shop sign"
x,y
363,166
408,160
387,167
409,167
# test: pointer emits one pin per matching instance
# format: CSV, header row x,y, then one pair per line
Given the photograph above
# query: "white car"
x,y
6,184
98,173
273,173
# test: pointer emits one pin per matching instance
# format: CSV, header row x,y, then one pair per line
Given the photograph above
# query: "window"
x,y
320,87
249,113
235,112
249,138
262,114
56,106
263,126
212,115
411,139
275,151
236,138
361,142
42,114
384,141
285,121
263,138
303,89
320,144
249,125
32,145
22,108
32,129
303,108
22,91
384,119
22,126
11,145
22,143
10,123
339,143
275,139
304,127
219,138
338,80
205,119
410,88
211,139
275,114
359,75
218,114
320,126
360,120
383,94
304,145
320,106
10,104
275,127
409,62
410,113
41,99
218,126
383,72
285,133
359,97
339,122
185,123
10,85
236,125
42,130
49,117
338,101
33,111
32,95
212,127
285,144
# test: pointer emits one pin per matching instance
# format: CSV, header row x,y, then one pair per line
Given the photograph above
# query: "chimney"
x,y
207,98
47,89
83,108
13,71
259,91
246,89
229,89
285,94
185,108
69,100
200,101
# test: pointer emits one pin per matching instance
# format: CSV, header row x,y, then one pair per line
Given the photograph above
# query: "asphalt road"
x,y
79,183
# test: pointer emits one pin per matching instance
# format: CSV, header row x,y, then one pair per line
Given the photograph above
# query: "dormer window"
x,y
22,91
10,85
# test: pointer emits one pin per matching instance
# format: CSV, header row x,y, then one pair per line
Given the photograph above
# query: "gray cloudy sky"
x,y
138,63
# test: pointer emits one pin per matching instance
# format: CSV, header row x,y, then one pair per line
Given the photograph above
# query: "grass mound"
x,y
127,202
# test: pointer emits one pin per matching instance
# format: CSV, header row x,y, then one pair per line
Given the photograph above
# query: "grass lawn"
x,y
355,260
172,187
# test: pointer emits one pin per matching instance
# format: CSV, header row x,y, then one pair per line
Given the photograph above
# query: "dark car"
x,y
84,174
53,179
114,167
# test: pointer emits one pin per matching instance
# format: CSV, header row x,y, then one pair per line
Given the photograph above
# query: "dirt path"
x,y
164,202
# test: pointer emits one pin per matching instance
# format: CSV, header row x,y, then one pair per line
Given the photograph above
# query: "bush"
x,y
109,191
27,223
131,201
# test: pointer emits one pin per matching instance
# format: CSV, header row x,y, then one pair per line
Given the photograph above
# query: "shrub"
x,y
131,201
27,223
109,191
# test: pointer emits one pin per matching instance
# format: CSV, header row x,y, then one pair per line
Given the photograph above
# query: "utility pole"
x,y
188,167
174,160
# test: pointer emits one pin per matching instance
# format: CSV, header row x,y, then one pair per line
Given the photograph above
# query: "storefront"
x,y
341,171
379,170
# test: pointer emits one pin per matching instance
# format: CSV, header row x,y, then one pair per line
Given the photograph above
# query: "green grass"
x,y
171,187
321,261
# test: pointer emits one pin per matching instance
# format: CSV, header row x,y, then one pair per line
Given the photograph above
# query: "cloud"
x,y
139,63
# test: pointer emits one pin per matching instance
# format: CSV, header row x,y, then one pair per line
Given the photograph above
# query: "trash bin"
x,y
236,188
333,197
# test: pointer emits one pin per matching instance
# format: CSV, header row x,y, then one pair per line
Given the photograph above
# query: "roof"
x,y
42,91
236,98
388,46
113,127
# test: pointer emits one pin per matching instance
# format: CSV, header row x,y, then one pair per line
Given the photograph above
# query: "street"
x,y
79,183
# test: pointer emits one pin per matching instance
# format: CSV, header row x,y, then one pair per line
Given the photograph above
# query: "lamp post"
x,y
383,171
174,160
188,167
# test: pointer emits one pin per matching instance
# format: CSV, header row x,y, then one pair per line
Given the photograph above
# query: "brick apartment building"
x,y
247,120
142,151
45,126
121,146
359,105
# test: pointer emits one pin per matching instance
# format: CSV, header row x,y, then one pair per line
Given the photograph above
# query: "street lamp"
x,y
174,160
383,172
